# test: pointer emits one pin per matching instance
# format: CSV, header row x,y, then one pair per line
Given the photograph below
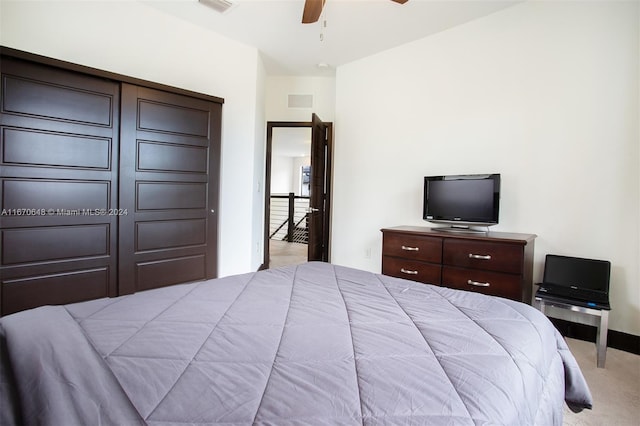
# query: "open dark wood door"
x,y
318,199
170,159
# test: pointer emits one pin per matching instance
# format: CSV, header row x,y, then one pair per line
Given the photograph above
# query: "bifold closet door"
x,y
170,156
58,186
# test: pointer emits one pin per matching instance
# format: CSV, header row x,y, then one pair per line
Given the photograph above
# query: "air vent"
x,y
217,5
300,101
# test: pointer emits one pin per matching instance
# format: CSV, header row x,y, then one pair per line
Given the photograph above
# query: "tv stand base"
x,y
461,229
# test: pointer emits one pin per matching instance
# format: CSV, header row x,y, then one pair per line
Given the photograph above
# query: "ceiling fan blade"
x,y
400,1
312,11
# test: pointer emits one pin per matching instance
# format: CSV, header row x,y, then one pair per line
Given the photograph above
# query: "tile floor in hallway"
x,y
282,253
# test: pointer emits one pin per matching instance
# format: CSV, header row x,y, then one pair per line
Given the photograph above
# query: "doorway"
x,y
297,192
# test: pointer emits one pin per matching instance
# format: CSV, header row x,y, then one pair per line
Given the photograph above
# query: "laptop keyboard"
x,y
576,294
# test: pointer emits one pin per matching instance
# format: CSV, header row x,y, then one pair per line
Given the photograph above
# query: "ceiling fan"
x,y
313,9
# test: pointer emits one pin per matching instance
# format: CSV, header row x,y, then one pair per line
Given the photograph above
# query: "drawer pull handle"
x,y
410,248
480,256
478,284
408,271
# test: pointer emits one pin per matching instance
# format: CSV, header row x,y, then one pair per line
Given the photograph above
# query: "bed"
x,y
314,344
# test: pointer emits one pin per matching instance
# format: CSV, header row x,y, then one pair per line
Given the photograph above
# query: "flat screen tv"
x,y
462,201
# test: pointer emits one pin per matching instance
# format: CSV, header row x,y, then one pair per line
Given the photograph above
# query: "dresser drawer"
x,y
411,270
490,256
428,249
487,282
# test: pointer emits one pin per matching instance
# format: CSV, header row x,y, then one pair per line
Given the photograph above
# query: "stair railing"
x,y
287,214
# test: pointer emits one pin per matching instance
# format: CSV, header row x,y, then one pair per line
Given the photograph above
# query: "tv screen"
x,y
462,200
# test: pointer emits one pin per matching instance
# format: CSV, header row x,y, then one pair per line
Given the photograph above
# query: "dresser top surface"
x,y
483,236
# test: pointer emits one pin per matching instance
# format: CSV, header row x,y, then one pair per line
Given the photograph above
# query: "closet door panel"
x,y
163,157
59,132
25,293
163,234
60,195
173,118
56,100
47,243
170,150
171,195
164,272
30,147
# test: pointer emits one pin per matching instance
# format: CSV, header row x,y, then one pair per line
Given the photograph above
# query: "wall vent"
x,y
217,5
300,101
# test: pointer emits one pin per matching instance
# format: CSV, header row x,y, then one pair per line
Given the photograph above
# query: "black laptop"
x,y
583,282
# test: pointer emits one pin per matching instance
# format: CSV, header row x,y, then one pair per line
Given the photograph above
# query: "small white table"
x,y
602,324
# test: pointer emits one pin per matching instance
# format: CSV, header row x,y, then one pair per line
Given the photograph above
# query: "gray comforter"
x,y
311,345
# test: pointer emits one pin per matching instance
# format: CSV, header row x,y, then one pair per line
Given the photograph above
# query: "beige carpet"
x,y
615,388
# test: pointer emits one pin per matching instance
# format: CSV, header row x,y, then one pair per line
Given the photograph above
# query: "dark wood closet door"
x,y
170,153
58,186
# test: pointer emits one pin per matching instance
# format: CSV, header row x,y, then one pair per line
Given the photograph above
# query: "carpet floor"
x,y
615,388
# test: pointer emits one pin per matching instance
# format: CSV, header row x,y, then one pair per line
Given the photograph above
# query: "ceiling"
x,y
354,28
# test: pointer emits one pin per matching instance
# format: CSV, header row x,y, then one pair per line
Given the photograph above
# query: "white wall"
x,y
258,207
544,93
136,40
281,174
296,182
286,174
278,89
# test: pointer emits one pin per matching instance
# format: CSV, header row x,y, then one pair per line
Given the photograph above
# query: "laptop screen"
x,y
573,272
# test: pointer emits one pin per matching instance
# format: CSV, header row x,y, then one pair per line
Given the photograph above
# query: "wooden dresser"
x,y
495,263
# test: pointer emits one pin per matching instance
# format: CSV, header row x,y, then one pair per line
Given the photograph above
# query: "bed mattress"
x,y
315,344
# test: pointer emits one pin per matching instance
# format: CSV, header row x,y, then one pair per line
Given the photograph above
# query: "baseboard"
x,y
615,339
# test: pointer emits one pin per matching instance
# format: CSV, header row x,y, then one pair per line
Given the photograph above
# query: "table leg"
x,y
601,338
542,306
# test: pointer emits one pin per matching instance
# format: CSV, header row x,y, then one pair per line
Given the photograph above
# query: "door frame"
x,y
267,184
